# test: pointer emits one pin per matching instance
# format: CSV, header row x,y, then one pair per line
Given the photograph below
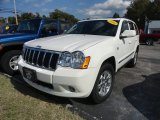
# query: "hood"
x,y
16,37
70,42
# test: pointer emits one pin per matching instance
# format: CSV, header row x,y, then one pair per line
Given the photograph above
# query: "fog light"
x,y
71,89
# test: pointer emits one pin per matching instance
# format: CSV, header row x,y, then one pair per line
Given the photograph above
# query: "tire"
x,y
149,42
97,95
8,62
133,62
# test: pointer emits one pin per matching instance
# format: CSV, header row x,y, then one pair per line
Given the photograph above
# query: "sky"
x,y
81,9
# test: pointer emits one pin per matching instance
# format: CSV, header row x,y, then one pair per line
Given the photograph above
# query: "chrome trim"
x,y
37,58
33,57
26,54
40,50
43,59
50,61
29,54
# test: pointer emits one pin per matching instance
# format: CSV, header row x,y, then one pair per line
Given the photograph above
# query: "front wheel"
x,y
9,61
104,84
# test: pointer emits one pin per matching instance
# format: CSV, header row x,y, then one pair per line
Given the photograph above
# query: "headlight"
x,y
75,60
65,59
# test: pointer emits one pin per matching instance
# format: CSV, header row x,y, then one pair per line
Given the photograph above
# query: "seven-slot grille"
x,y
41,58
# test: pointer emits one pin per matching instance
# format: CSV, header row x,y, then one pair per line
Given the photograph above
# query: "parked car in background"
x,y
82,62
151,33
8,28
11,44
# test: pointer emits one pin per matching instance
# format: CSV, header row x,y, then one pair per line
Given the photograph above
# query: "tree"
x,y
154,10
38,15
141,11
2,20
137,12
11,20
25,16
44,16
58,14
116,15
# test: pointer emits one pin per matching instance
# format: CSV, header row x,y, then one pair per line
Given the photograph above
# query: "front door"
x,y
123,49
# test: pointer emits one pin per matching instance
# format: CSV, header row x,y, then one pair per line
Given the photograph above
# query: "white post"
x,y
15,11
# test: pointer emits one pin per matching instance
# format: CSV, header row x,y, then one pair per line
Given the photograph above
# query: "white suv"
x,y
82,62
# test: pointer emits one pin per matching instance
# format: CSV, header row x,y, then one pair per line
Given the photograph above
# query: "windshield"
x,y
96,27
29,26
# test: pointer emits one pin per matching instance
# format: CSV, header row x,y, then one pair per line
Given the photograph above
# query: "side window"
x,y
49,28
124,26
64,27
131,25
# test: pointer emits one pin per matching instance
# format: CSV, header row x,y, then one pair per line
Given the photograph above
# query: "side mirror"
x,y
128,33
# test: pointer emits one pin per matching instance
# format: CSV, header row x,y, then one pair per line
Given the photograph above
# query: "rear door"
x,y
134,39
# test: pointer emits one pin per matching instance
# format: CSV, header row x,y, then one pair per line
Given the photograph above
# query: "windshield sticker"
x,y
7,27
113,22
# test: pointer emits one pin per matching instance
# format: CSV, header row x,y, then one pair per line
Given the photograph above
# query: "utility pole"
x,y
15,11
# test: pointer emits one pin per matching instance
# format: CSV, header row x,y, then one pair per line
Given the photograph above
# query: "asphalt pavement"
x,y
136,93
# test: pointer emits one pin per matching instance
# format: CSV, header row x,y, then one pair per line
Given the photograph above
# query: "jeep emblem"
x,y
38,46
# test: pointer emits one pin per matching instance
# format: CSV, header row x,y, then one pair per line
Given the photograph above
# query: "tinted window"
x,y
97,27
29,26
124,26
131,26
49,28
65,26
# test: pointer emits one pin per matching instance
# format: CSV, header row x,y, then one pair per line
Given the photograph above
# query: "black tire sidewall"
x,y
6,59
96,98
133,60
132,64
150,41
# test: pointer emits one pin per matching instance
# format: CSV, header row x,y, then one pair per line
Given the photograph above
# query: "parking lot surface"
x,y
136,93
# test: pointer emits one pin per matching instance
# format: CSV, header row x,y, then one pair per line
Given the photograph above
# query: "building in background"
x,y
152,27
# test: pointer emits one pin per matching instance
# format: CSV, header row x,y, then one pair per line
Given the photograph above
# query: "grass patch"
x,y
21,102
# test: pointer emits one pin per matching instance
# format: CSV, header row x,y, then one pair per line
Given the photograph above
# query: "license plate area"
x,y
30,74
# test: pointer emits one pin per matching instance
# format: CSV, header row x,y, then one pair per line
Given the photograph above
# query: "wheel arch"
x,y
10,48
111,60
137,49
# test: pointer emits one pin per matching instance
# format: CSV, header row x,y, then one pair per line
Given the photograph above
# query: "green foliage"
x,y
116,15
153,11
25,16
43,16
141,11
137,11
38,15
11,20
2,20
58,14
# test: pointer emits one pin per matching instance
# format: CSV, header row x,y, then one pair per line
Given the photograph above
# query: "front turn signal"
x,y
86,63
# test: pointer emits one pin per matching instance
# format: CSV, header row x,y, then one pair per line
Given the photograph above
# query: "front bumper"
x,y
66,82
